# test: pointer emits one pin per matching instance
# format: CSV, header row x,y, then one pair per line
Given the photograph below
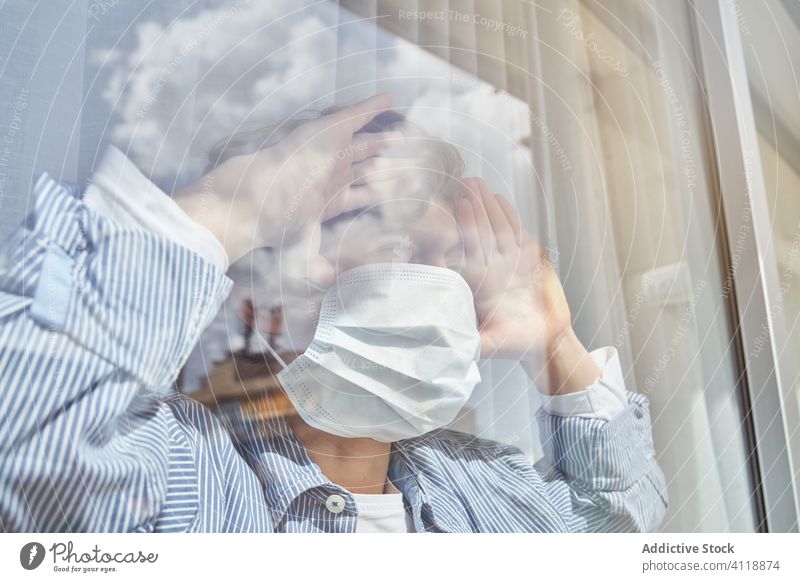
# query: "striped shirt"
x,y
96,321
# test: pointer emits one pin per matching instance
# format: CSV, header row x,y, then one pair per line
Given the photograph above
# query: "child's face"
x,y
430,238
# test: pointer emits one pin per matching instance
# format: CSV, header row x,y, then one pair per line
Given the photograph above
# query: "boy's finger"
x,y
361,113
503,233
378,169
513,218
354,197
483,225
469,231
368,145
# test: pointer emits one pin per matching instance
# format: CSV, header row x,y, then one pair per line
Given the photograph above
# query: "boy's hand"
x,y
284,191
522,311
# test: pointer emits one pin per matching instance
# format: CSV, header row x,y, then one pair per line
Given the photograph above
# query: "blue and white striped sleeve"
x,y
603,473
95,319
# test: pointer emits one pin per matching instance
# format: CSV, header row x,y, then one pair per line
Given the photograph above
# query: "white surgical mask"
x,y
394,355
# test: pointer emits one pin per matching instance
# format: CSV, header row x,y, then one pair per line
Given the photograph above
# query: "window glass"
x,y
588,116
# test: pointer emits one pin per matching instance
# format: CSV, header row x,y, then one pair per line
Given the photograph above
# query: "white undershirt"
x,y
382,512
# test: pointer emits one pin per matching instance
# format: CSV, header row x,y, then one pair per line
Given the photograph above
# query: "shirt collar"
x,y
286,472
420,469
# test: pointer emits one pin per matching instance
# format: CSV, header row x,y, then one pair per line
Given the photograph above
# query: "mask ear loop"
x,y
270,349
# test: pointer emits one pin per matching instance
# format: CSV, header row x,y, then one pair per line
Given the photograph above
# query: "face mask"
x,y
394,355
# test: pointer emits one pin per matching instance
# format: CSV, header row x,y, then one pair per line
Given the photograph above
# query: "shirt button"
x,y
335,503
